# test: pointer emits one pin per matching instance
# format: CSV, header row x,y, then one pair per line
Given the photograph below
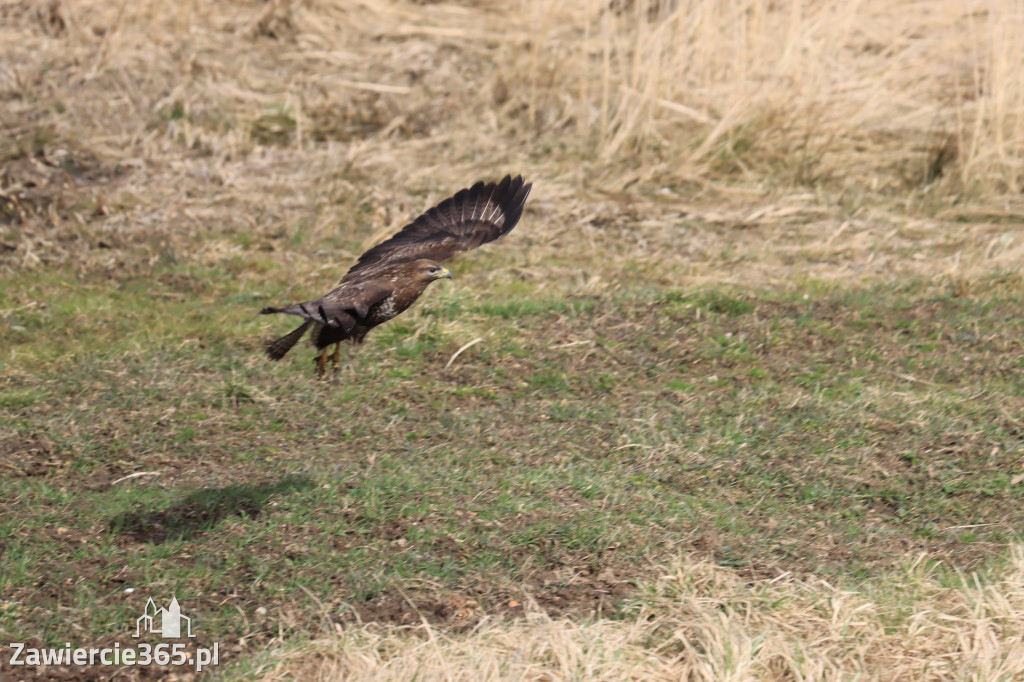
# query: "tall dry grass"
x,y
702,622
866,95
184,123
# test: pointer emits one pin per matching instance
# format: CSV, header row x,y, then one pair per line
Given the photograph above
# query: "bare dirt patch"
x,y
578,591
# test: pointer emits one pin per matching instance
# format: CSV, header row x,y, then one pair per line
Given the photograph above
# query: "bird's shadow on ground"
x,y
202,510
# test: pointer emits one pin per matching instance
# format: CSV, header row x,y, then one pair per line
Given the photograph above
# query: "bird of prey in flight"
x,y
388,278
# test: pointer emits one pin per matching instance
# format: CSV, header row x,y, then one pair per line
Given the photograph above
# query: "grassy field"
x,y
741,397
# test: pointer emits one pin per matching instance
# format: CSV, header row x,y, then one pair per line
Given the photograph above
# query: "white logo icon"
x,y
161,621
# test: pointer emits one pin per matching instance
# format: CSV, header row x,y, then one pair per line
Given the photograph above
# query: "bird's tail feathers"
x,y
278,348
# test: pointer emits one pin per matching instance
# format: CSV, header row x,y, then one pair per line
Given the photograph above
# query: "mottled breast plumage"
x,y
383,311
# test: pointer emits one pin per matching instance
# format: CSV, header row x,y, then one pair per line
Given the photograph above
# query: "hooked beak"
x,y
444,274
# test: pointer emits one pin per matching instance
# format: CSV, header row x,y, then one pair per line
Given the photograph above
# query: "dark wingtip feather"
x,y
471,217
513,200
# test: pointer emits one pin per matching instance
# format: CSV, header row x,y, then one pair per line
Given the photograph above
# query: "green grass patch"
x,y
161,453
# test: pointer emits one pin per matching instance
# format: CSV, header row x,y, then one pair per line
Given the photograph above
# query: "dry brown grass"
x,y
858,95
777,140
834,120
704,623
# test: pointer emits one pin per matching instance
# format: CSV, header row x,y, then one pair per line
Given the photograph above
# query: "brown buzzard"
x,y
389,278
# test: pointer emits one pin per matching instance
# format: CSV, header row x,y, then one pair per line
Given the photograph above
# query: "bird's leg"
x,y
321,363
336,356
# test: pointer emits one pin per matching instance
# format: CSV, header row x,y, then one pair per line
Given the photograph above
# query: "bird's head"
x,y
430,270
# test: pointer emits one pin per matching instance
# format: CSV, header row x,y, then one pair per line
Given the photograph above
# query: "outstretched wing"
x,y
341,307
473,216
